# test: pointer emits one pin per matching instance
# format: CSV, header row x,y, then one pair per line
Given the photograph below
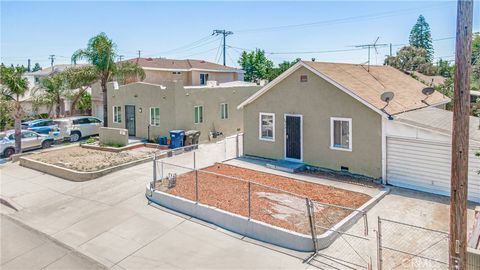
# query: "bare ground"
x,y
217,187
88,160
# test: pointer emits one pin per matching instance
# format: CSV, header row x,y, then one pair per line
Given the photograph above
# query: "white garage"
x,y
418,151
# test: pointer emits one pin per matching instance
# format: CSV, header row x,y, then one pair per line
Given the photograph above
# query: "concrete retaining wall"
x,y
236,223
110,136
256,229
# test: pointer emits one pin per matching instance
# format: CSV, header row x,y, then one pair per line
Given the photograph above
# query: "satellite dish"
x,y
427,91
387,96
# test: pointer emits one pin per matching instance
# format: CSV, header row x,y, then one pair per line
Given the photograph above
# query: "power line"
x,y
52,60
337,21
224,33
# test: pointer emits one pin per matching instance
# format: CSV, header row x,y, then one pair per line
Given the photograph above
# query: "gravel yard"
x,y
218,187
88,160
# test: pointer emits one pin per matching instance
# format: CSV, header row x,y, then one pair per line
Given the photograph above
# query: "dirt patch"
x,y
217,187
88,160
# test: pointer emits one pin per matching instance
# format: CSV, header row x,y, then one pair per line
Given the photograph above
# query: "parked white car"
x,y
77,127
30,140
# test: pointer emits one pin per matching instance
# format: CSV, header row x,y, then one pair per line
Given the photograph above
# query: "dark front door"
x,y
130,119
293,137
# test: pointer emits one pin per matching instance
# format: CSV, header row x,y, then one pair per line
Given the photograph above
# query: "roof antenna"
x,y
427,91
368,46
387,97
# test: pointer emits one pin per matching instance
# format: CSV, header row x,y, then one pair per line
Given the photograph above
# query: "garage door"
x,y
425,166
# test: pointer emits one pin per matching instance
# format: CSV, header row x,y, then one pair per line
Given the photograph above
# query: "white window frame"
x,y
350,136
115,118
260,127
205,78
152,124
194,115
224,111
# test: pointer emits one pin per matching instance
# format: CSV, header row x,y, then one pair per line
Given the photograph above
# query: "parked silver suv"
x,y
75,128
30,140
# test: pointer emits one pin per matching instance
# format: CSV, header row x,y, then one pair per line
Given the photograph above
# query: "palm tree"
x,y
78,80
53,89
101,53
13,87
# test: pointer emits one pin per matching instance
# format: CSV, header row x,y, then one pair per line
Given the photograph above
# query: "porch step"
x,y
286,166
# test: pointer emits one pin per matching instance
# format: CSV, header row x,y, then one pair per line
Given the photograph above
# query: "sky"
x,y
326,31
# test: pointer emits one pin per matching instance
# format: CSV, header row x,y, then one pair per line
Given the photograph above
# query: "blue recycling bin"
x,y
176,138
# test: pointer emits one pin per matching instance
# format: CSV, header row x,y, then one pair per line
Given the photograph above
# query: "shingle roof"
x,y
369,85
438,120
186,64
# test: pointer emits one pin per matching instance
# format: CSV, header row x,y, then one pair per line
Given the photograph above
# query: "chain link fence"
x,y
406,246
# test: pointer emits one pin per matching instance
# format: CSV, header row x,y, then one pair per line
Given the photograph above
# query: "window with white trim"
x,y
155,116
224,111
341,133
117,114
267,126
203,78
198,114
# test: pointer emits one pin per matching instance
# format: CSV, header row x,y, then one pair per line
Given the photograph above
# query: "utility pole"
x,y
225,34
369,46
139,53
460,137
52,60
390,49
29,65
120,57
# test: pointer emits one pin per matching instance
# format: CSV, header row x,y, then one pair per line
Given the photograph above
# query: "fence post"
x,y
237,150
154,171
196,186
161,173
249,201
311,219
379,245
365,223
194,161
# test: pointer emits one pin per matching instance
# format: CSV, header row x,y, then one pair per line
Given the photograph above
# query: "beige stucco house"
x,y
331,115
189,72
150,110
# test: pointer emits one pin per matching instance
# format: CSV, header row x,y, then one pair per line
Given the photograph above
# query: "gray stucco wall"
x,y
318,101
176,105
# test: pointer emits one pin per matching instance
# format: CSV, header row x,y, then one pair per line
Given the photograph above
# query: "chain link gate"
x,y
406,246
337,248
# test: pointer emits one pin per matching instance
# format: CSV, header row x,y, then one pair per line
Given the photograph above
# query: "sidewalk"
x,y
108,220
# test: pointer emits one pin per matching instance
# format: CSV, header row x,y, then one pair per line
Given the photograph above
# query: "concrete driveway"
x,y
108,220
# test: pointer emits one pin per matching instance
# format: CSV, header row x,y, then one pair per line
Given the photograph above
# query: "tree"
x,y
444,68
53,89
421,37
78,80
476,61
256,65
36,67
408,58
13,87
282,67
101,53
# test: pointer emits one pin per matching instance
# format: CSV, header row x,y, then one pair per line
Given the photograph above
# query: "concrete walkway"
x,y
23,248
108,220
